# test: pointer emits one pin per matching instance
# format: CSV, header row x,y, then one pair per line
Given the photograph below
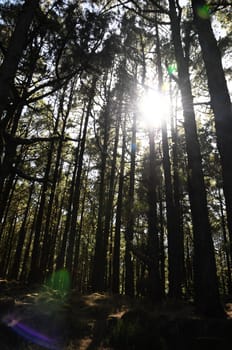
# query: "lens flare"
x,y
203,11
60,280
172,69
29,333
153,109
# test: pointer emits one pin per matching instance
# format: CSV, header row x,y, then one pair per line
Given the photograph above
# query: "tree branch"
x,y
20,141
21,174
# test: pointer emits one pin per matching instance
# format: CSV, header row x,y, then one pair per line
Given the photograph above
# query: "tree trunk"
x,y
117,236
161,244
205,278
21,239
129,233
76,263
36,275
154,283
47,229
220,101
78,184
177,195
110,200
14,53
98,273
225,241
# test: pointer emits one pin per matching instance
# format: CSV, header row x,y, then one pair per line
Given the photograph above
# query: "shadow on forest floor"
x,y
34,318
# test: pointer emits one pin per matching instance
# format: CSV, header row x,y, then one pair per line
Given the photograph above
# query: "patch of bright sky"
x,y
183,2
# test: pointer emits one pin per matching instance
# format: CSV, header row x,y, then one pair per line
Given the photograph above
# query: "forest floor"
x,y
33,318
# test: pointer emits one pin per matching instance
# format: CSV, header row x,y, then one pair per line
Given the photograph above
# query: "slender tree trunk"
x,y
57,239
36,275
21,240
47,228
78,184
60,261
175,244
6,201
47,239
129,233
161,244
205,278
117,236
26,259
189,268
6,251
177,195
10,247
98,273
111,194
154,288
223,225
76,272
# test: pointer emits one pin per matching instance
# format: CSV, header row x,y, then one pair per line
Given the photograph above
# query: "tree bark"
x,y
129,232
78,184
98,273
220,101
205,278
154,283
14,53
117,236
21,239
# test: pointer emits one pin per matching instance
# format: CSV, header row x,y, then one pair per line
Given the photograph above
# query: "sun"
x,y
153,108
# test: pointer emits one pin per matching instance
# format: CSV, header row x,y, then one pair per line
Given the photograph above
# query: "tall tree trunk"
x,y
7,247
47,228
220,100
154,287
225,241
175,239
76,272
36,275
161,244
21,239
177,195
77,188
205,278
98,273
6,201
129,233
110,200
26,259
58,241
60,261
118,220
